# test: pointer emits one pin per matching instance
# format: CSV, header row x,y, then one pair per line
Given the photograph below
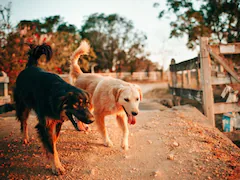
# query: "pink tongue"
x,y
82,126
131,119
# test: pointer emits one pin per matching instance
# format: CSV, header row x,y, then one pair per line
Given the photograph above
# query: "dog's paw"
x,y
25,141
58,170
125,147
108,143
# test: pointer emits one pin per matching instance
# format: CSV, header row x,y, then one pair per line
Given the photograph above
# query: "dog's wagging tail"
x,y
53,100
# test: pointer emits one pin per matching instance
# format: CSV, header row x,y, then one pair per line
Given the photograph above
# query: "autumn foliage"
x,y
117,47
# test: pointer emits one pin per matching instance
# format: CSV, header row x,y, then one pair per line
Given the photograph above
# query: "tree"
x,y
5,25
48,25
217,19
11,45
51,23
67,28
13,52
111,36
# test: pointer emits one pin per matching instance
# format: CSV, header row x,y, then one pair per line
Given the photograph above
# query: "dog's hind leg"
x,y
102,129
49,135
122,122
22,114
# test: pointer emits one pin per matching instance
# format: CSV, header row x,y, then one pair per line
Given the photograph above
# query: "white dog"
x,y
109,96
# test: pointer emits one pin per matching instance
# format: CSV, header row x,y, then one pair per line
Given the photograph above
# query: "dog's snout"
x,y
134,113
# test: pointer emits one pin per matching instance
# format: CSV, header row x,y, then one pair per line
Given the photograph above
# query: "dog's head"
x,y
129,98
76,107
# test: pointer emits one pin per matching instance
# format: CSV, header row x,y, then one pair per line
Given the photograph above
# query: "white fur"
x,y
109,96
83,49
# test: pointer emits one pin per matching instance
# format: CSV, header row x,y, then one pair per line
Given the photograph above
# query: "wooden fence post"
x,y
174,75
183,79
198,74
208,101
176,99
189,79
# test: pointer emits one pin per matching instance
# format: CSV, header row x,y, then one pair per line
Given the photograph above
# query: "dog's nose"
x,y
134,113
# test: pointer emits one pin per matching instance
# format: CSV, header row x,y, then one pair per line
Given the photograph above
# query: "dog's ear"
x,y
139,90
116,93
64,98
88,95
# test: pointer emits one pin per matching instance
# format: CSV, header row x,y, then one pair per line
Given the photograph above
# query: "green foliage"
x,y
67,28
116,45
114,40
217,19
48,25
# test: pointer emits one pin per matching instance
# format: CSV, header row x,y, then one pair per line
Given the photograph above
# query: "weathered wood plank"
x,y
189,80
5,89
193,94
222,61
183,79
206,80
173,75
198,78
230,48
223,107
4,79
185,65
5,99
222,80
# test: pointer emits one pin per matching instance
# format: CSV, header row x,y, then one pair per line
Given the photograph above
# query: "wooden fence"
x,y
136,76
4,80
194,78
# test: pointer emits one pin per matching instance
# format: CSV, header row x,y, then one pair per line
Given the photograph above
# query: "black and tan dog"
x,y
53,100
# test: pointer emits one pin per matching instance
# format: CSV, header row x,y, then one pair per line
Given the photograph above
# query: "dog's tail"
x,y
75,69
36,51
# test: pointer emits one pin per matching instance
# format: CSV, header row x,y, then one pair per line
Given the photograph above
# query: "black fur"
x,y
50,97
44,136
36,52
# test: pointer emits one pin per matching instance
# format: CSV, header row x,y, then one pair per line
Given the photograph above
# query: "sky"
x,y
141,12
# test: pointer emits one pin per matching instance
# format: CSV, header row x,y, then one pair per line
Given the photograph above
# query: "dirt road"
x,y
176,143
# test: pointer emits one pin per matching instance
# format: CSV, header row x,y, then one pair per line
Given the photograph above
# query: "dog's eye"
x,y
137,99
76,105
126,99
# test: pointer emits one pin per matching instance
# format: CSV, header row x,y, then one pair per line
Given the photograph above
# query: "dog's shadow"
x,y
73,145
29,160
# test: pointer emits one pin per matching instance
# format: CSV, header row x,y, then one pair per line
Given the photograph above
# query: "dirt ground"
x,y
165,143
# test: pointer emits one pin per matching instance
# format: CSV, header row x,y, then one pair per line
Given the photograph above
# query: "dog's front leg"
x,y
102,129
122,122
49,134
54,131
